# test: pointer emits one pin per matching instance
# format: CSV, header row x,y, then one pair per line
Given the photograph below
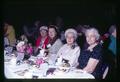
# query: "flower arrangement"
x,y
29,49
21,46
39,61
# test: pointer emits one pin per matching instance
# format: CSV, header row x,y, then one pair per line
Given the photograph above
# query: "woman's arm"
x,y
94,59
55,47
91,65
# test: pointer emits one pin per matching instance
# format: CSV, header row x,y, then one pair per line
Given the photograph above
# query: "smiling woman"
x,y
54,18
70,51
90,59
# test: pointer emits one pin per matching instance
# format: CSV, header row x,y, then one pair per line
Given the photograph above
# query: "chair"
x,y
105,72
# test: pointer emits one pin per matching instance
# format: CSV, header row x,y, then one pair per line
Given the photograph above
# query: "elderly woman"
x,y
54,43
90,57
69,52
42,40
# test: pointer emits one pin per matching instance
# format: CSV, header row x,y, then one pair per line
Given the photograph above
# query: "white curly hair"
x,y
93,30
73,31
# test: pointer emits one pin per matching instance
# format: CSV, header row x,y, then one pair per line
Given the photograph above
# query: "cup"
x,y
42,52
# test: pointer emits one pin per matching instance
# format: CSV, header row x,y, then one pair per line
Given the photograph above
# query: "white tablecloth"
x,y
9,72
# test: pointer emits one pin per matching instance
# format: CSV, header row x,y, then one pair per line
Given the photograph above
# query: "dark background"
x,y
99,13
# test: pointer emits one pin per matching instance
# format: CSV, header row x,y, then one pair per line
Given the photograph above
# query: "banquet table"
x,y
12,72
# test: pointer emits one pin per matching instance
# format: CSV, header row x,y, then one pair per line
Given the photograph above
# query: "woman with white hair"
x,y
69,52
90,59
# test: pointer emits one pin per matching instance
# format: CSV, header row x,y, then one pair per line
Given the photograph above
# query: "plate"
x,y
79,71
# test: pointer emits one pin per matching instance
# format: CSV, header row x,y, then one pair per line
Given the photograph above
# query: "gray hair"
x,y
73,31
93,30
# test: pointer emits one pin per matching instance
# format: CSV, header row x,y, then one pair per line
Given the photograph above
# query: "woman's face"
x,y
90,38
52,33
43,33
70,38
